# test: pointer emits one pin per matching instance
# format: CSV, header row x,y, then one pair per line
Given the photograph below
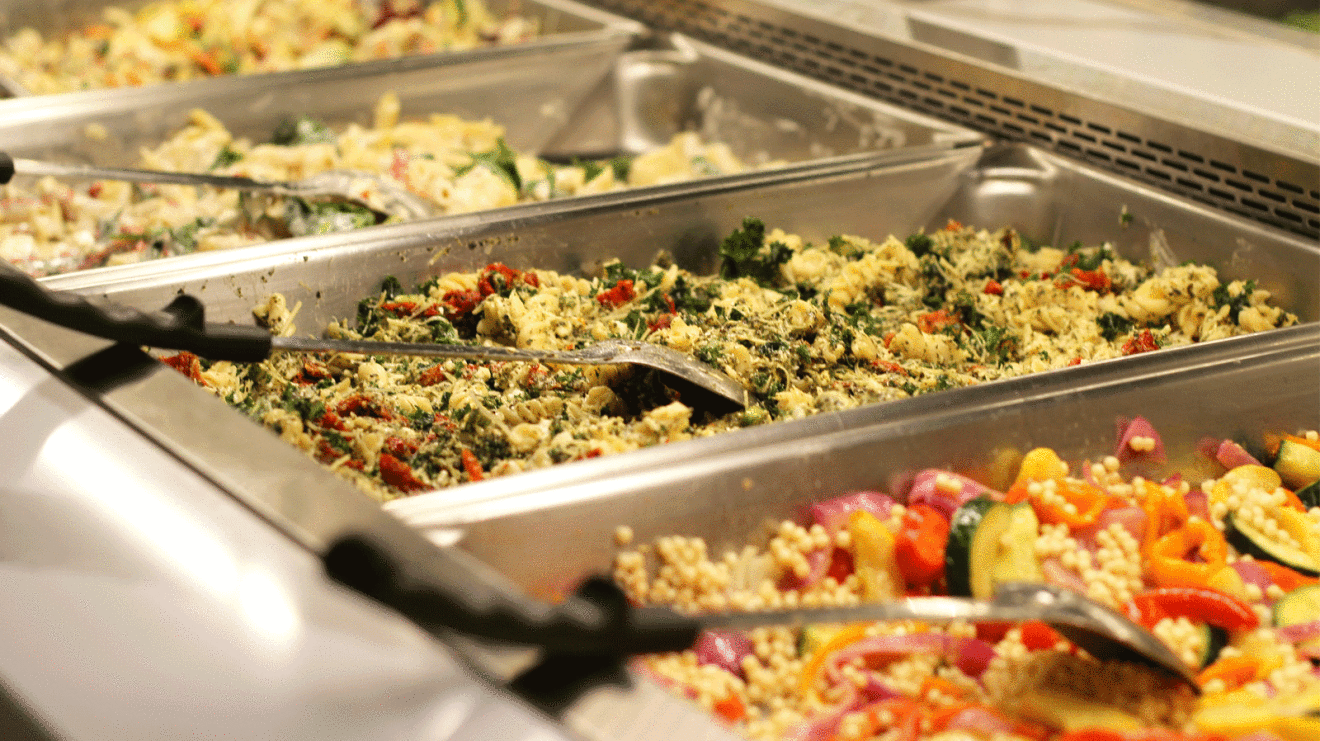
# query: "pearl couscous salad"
x,y
1223,570
49,226
180,40
806,328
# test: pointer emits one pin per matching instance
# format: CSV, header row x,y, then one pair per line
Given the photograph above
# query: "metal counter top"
x,y
141,602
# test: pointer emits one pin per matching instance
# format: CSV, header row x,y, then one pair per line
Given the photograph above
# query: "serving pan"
x,y
1044,196
561,23
590,98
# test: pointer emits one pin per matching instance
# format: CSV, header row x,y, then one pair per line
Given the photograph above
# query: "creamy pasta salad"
x,y
49,226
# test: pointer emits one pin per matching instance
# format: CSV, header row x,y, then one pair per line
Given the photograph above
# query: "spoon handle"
x,y
20,166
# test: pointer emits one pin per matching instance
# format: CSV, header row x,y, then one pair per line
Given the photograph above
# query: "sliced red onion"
x,y
1060,576
925,491
1173,481
1138,427
1253,573
974,653
832,514
1206,447
818,562
1198,504
1133,519
1300,632
875,690
1231,455
818,729
980,721
725,649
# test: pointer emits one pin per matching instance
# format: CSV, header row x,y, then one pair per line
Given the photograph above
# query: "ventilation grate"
x,y
1206,167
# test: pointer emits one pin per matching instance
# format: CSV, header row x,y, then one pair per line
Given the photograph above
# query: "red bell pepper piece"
x,y
919,547
1038,636
1196,603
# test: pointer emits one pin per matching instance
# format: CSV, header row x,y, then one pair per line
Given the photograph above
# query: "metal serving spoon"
x,y
342,184
1103,632
182,327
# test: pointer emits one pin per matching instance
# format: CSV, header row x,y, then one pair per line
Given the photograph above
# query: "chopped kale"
x,y
1113,326
292,132
391,287
501,160
621,166
920,244
844,248
226,157
965,306
1236,303
998,343
745,254
710,354
1084,259
305,218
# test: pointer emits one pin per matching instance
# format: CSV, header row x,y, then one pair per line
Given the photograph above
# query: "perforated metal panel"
x,y
1279,189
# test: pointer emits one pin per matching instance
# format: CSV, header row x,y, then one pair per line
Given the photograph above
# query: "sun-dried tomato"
x,y
661,322
937,321
1144,342
400,448
313,371
186,363
431,376
620,294
994,288
400,475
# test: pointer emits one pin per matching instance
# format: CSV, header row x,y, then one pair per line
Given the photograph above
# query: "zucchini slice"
x,y
990,543
1214,640
1250,540
1310,495
1297,464
1301,605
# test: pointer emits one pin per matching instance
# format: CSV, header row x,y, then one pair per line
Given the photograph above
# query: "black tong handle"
x,y
181,326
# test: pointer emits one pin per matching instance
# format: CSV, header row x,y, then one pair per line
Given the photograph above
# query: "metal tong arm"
x,y
9,166
596,620
180,327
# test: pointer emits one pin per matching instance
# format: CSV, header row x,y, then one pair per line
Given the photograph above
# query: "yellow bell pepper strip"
x,y
874,559
1168,564
1239,713
1041,464
1233,671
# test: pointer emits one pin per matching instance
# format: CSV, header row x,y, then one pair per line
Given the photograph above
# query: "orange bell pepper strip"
x,y
850,634
1287,579
1168,564
1234,671
1166,510
1087,502
1272,442
731,709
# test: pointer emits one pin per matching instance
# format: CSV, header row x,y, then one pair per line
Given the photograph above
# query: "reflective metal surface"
x,y
142,602
1237,157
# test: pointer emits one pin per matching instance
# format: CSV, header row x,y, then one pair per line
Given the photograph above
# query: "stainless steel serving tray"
x,y
545,542
562,23
590,98
1044,196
